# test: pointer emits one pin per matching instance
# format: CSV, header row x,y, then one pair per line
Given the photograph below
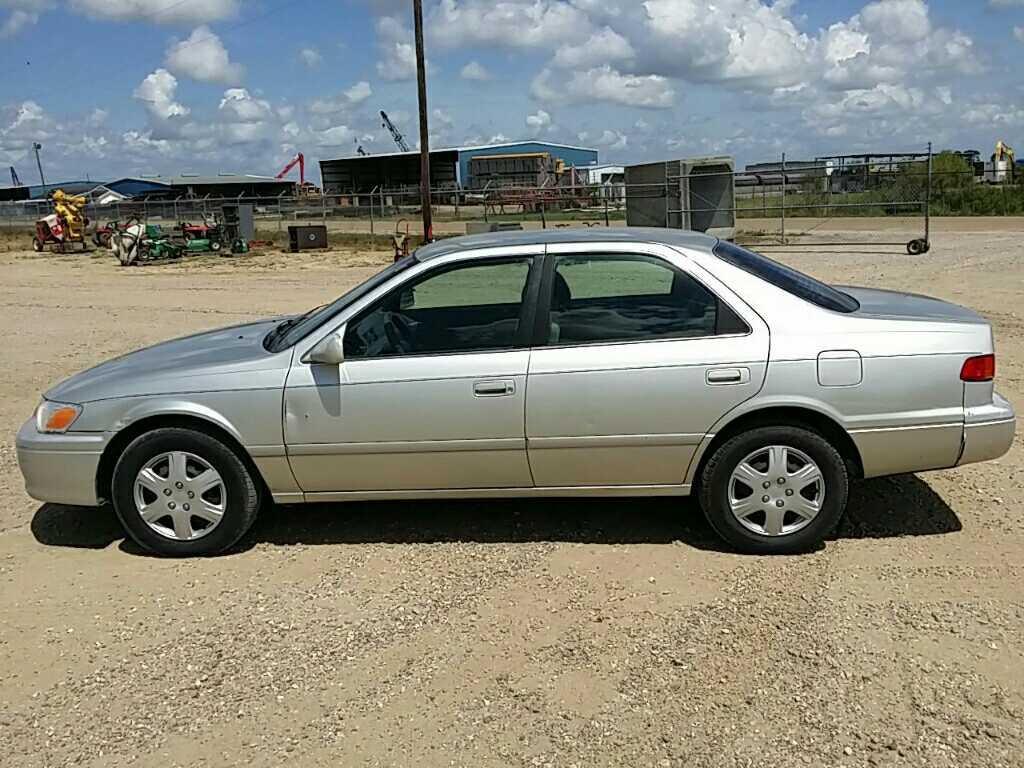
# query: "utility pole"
x,y
36,146
421,84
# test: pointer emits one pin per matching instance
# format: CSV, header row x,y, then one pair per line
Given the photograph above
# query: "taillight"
x,y
980,368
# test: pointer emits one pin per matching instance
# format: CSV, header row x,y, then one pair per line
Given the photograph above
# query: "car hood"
x,y
224,359
876,302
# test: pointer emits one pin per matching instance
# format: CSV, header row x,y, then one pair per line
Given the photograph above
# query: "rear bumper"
x,y
988,431
60,468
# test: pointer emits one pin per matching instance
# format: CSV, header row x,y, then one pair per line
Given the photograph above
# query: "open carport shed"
x,y
449,168
394,171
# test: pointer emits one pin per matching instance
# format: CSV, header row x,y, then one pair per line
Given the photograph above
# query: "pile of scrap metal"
x,y
64,226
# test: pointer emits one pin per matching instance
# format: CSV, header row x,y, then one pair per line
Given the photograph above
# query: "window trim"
x,y
542,321
526,312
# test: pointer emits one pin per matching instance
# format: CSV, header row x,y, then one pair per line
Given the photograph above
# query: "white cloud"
x,y
336,136
310,57
441,119
359,92
239,106
348,99
158,91
203,57
538,121
854,110
397,51
607,45
20,126
1018,32
23,13
744,41
903,20
474,71
505,23
608,85
159,11
612,140
97,117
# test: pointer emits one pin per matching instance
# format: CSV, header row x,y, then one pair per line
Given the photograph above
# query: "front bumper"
x,y
60,468
988,431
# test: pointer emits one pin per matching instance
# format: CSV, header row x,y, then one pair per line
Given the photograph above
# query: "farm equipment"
x,y
103,234
210,229
136,243
201,238
144,242
66,225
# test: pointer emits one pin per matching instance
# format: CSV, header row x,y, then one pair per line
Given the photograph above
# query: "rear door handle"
x,y
717,377
495,388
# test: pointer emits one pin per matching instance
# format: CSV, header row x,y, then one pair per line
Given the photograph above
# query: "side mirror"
x,y
329,351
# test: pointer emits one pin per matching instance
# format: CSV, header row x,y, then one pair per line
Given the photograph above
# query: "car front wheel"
x,y
180,492
774,490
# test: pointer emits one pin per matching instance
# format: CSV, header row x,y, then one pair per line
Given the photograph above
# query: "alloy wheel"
x,y
180,496
776,490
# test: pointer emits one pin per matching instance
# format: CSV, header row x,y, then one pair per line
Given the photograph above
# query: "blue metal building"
x,y
570,155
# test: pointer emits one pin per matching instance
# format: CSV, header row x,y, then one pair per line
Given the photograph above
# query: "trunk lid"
x,y
897,305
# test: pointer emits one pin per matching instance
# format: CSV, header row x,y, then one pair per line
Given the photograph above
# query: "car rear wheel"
x,y
774,490
180,492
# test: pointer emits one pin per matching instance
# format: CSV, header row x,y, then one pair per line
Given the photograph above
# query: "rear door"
x,y
638,353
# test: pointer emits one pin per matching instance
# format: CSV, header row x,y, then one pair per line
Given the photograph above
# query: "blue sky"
x,y
115,87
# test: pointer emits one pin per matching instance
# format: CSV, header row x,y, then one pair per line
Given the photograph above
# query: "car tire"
x,y
796,517
152,506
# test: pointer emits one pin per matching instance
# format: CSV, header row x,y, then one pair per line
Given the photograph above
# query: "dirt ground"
x,y
518,633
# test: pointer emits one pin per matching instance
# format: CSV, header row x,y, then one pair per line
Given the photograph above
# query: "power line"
x,y
231,28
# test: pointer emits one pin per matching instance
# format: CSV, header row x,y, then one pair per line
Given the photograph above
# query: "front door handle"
x,y
717,377
496,388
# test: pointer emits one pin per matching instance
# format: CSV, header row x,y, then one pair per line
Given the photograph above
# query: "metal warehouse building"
x,y
521,163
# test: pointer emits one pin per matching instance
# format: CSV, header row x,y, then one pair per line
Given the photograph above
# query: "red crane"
x,y
299,159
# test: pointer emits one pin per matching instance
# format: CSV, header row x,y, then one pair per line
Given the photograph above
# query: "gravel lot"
x,y
519,633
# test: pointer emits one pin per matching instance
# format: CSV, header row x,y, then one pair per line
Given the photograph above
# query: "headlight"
x,y
54,417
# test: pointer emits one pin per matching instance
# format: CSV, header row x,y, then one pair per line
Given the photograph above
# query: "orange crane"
x,y
305,187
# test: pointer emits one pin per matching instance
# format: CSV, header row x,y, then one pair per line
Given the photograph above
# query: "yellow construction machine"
x,y
65,225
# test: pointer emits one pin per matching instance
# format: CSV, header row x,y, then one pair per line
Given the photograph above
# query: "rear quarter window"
x,y
786,278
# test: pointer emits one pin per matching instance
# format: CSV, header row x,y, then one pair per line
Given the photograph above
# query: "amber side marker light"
x,y
56,417
981,368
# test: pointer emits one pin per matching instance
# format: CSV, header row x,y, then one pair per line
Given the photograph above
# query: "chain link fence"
x,y
785,205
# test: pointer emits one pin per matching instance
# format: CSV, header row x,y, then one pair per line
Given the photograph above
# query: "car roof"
x,y
674,237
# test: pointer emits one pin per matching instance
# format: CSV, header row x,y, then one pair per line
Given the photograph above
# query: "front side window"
x,y
631,298
468,308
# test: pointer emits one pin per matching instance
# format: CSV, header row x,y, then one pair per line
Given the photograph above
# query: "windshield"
x,y
786,278
288,332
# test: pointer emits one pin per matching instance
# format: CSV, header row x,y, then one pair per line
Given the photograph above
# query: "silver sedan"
x,y
624,362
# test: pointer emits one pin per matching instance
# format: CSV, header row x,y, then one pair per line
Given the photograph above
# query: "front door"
x,y
431,394
640,359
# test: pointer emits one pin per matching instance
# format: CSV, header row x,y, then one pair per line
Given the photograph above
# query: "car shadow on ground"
x,y
882,508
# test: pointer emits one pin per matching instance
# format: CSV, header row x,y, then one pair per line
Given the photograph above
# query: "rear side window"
x,y
606,298
786,278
